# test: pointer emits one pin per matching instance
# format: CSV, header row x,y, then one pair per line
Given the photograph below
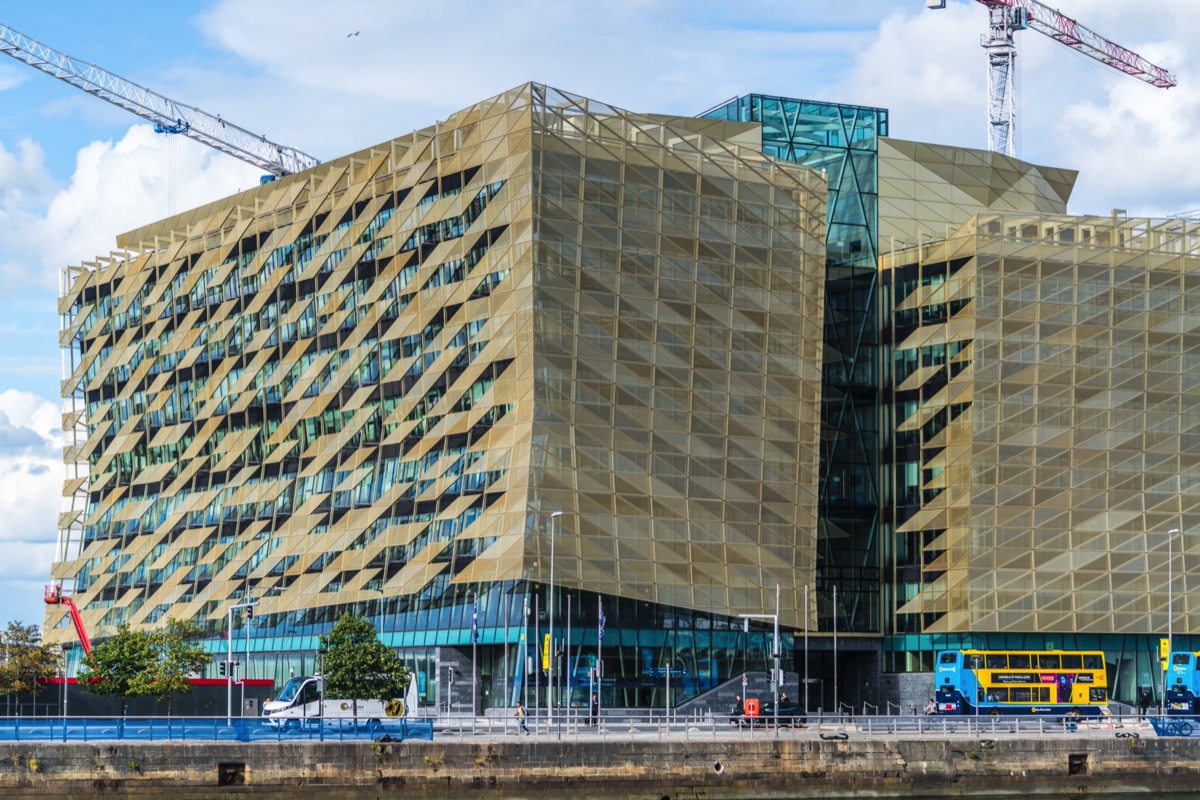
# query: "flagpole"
x,y
567,671
524,665
537,651
504,683
474,641
599,659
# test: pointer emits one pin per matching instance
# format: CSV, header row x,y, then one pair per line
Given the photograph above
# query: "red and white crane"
x,y
1005,18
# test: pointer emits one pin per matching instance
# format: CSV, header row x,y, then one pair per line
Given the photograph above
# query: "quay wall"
x,y
677,768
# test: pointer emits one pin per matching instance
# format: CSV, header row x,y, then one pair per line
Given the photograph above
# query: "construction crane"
x,y
1005,18
167,115
55,596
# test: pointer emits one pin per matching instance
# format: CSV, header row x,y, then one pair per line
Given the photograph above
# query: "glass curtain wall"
x,y
841,141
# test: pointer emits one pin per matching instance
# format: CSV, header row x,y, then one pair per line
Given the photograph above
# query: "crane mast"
x,y
168,116
1005,18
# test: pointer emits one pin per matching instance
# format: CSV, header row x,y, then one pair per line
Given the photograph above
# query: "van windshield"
x,y
290,689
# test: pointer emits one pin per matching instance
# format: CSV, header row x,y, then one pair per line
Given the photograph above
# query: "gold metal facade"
x,y
1043,387
928,190
379,378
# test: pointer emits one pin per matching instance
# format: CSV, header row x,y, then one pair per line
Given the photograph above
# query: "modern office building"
x,y
545,341
1041,399
767,362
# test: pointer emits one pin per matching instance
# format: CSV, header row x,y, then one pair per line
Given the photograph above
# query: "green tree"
x,y
358,666
176,656
26,661
118,666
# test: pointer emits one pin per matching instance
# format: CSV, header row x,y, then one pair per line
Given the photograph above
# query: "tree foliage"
x,y
117,666
357,665
145,663
177,655
26,660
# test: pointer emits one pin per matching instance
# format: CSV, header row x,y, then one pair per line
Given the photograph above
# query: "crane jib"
x,y
167,115
1005,18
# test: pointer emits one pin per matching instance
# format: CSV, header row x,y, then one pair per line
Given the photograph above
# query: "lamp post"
x,y
550,611
775,648
806,650
1171,534
229,662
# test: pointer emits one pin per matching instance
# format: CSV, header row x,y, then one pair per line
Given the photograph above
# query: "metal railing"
x,y
642,723
613,724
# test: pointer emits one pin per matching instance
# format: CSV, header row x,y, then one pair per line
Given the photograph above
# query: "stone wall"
x,y
713,767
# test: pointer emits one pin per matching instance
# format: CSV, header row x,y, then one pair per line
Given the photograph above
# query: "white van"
x,y
302,701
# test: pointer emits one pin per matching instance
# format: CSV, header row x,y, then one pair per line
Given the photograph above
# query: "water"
x,y
815,793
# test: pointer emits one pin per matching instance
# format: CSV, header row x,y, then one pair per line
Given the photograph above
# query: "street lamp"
x,y
775,676
550,670
379,606
1171,534
229,662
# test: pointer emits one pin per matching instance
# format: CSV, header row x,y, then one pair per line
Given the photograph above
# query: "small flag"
x,y
475,621
603,619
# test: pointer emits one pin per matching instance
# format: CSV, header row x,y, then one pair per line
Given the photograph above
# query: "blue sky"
x,y
75,171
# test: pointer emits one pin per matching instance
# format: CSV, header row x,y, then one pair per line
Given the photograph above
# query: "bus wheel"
x,y
995,712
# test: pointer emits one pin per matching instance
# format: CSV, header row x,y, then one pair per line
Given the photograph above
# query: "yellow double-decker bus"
x,y
1021,682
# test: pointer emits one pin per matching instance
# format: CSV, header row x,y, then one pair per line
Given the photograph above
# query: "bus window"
x,y
1019,661
1019,695
1181,658
1048,662
1097,695
975,662
1093,661
1072,661
948,658
1043,694
997,661
997,695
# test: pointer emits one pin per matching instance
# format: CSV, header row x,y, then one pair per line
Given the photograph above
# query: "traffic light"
x,y
224,668
249,612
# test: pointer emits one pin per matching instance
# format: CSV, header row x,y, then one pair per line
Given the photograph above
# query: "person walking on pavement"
x,y
521,719
737,711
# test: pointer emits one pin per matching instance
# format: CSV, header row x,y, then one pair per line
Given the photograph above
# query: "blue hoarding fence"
x,y
163,729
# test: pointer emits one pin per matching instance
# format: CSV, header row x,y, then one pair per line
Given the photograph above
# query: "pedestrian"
x,y
521,719
595,716
737,711
931,707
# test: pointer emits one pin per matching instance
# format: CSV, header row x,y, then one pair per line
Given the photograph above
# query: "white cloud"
x,y
928,70
31,468
10,77
409,67
116,186
24,574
